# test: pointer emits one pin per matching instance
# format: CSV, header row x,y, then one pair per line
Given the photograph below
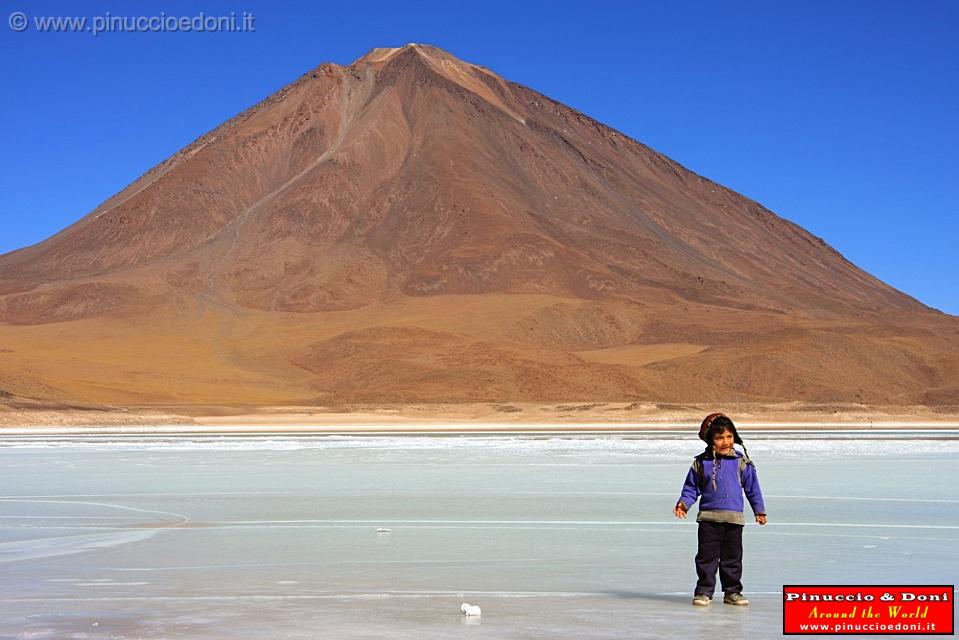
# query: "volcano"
x,y
415,228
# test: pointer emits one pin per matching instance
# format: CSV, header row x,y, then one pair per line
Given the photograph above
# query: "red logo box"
x,y
923,610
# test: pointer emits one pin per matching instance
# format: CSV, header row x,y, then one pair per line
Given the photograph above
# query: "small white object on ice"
x,y
470,609
383,530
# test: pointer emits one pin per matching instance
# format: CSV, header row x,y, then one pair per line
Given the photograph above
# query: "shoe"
x,y
737,599
702,600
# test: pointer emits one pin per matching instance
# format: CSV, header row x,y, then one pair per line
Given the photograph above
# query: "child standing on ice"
x,y
720,475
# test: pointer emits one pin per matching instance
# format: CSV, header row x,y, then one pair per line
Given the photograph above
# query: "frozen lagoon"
x,y
568,536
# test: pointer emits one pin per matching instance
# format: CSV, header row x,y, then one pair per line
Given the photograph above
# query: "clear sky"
x,y
840,116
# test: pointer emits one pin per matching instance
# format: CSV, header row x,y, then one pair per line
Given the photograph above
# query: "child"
x,y
720,474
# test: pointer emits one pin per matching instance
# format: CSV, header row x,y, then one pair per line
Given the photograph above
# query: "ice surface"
x,y
269,536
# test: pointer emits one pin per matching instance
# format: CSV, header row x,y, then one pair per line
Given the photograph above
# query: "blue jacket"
x,y
735,474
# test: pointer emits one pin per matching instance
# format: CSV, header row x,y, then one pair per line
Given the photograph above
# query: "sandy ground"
x,y
455,418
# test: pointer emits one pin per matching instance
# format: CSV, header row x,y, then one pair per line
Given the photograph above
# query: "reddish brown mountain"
x,y
413,227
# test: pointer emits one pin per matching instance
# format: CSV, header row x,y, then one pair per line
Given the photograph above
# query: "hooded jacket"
x,y
722,501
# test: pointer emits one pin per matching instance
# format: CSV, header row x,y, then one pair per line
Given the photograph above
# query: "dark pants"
x,y
720,545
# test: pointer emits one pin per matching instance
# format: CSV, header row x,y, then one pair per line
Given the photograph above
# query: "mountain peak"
x,y
476,79
380,55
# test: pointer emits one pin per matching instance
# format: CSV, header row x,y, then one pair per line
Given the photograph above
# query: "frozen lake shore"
x,y
276,536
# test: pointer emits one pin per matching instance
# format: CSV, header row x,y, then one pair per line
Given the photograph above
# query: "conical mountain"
x,y
413,227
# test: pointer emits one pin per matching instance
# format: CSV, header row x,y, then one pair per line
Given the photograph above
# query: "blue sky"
x,y
841,117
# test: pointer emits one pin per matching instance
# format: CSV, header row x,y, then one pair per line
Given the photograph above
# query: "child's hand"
x,y
761,518
680,510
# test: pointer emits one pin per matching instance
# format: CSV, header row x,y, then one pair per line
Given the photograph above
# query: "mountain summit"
x,y
413,227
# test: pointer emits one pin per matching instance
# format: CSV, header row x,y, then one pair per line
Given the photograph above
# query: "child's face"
x,y
723,442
